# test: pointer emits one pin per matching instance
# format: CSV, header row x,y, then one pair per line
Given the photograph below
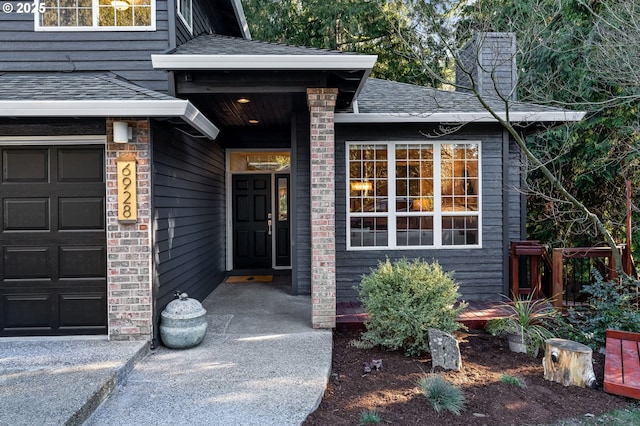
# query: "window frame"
x,y
94,26
187,22
392,215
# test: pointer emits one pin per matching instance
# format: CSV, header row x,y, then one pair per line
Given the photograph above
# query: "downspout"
x,y
171,12
171,89
506,209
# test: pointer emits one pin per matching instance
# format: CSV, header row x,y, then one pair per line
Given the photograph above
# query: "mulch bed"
x,y
393,392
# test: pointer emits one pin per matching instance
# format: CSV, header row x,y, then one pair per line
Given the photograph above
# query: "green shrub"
x,y
611,305
404,300
512,380
442,394
370,416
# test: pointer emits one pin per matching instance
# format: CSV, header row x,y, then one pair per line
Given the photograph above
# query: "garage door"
x,y
53,241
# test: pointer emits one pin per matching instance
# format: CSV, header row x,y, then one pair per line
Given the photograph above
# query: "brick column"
x,y
129,284
322,104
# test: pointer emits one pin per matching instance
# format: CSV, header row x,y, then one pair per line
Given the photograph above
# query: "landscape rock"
x,y
445,350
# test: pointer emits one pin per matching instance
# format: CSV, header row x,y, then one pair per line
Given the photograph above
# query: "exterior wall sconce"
x,y
122,133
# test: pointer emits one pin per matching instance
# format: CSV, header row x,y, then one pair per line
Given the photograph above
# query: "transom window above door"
x,y
108,15
413,195
255,161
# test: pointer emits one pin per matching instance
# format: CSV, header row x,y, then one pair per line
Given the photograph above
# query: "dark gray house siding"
x,y
301,205
125,53
188,215
480,272
201,23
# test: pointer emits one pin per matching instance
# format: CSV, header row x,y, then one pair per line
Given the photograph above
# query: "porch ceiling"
x,y
272,95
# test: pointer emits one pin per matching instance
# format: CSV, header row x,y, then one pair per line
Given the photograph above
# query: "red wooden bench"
x,y
622,364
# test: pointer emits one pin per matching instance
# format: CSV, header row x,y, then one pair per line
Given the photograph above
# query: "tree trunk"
x,y
569,363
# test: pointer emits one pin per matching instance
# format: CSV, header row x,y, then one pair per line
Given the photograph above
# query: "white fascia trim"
x,y
198,121
111,108
263,62
462,117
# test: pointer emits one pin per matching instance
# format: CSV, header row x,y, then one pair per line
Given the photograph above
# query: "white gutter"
x,y
178,108
263,62
462,117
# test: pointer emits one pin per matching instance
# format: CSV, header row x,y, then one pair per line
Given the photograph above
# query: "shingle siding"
x,y
126,53
188,215
480,272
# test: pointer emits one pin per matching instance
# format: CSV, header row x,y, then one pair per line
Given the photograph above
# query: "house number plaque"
x,y
127,199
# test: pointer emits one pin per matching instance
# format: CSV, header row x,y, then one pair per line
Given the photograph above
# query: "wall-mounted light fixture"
x,y
122,133
120,4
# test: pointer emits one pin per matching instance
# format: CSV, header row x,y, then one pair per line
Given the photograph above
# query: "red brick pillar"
x,y
322,104
129,285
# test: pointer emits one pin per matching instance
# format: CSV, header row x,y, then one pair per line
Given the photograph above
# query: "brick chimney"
x,y
490,60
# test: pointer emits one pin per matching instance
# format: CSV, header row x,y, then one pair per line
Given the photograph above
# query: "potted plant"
x,y
528,323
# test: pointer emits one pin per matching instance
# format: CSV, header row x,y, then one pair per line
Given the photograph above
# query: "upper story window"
x,y
92,15
185,12
413,195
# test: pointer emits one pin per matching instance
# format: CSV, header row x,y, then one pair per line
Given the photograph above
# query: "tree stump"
x,y
569,363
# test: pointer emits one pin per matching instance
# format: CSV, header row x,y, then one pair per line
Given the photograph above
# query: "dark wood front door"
x,y
52,241
252,221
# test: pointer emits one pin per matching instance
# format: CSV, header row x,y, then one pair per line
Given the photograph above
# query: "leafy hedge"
x,y
611,305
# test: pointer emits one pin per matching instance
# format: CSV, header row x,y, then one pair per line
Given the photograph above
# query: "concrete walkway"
x,y
57,381
260,363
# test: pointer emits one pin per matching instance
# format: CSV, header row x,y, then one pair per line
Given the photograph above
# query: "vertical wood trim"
x,y
293,212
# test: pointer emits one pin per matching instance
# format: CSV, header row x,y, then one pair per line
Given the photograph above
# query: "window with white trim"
x,y
119,15
185,12
404,195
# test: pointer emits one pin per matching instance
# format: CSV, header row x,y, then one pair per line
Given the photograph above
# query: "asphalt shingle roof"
x,y
73,86
390,97
214,44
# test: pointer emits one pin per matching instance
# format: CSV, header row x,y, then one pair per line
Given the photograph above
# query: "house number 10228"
x,y
127,205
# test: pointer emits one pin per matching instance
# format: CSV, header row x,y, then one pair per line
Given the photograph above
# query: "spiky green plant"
x,y
370,416
512,380
533,319
441,394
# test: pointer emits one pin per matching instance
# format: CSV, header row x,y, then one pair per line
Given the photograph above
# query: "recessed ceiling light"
x,y
243,101
253,121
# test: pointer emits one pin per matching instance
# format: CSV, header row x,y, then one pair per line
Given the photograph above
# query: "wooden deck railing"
x,y
606,263
562,275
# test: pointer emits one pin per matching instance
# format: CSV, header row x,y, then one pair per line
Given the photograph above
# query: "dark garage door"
x,y
53,241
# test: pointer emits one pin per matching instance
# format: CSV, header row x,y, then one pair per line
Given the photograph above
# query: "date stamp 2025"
x,y
23,7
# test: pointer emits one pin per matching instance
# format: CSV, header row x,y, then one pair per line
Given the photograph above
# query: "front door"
x,y
252,221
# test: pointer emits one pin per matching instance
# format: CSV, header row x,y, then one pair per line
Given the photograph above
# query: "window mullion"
x,y
391,185
437,196
96,14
